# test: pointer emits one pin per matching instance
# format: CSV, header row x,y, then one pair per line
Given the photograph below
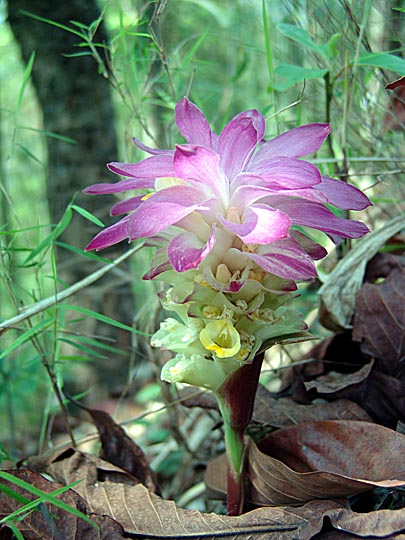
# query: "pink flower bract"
x,y
229,192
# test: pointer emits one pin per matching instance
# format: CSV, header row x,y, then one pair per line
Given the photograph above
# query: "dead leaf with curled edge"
x,y
379,320
119,449
145,515
396,84
318,460
338,293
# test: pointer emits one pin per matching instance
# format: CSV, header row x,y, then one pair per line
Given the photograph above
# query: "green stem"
x,y
235,448
235,485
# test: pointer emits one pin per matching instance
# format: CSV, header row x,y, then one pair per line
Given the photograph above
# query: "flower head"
x,y
232,196
230,215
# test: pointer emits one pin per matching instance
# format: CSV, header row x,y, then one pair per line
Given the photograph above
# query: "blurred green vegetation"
x,y
297,62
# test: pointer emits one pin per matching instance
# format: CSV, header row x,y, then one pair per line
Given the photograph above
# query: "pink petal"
x,y
343,195
162,209
200,165
314,250
148,149
160,264
129,205
152,167
118,187
110,236
288,172
296,142
192,123
317,216
246,195
238,141
186,251
260,225
252,188
285,258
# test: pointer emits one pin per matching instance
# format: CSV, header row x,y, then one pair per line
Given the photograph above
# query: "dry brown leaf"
x,y
283,412
399,82
323,460
119,449
50,522
145,515
379,320
317,460
141,512
343,372
337,294
339,381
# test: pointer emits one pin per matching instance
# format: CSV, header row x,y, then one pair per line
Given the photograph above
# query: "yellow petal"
x,y
221,337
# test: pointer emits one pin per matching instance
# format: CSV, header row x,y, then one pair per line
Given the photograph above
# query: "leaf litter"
x,y
332,435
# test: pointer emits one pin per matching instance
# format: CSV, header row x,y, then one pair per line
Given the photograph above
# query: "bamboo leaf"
x,y
105,319
296,74
52,23
302,37
383,60
43,497
26,336
60,227
87,215
26,78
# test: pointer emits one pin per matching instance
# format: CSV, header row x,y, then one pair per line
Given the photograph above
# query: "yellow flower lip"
x,y
220,337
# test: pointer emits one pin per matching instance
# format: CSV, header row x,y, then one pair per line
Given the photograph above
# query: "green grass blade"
x,y
26,336
49,134
16,531
104,319
87,215
87,254
60,227
43,497
29,153
52,23
26,79
13,494
95,343
83,348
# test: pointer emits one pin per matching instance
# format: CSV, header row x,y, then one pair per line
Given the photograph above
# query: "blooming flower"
x,y
236,190
230,215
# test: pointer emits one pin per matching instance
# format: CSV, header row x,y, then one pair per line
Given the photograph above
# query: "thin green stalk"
x,y
52,300
269,58
235,449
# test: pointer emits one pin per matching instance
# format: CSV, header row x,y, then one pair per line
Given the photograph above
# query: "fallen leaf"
x,y
379,320
337,294
396,84
317,460
193,397
121,450
394,118
90,470
145,515
325,459
49,521
333,384
343,372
